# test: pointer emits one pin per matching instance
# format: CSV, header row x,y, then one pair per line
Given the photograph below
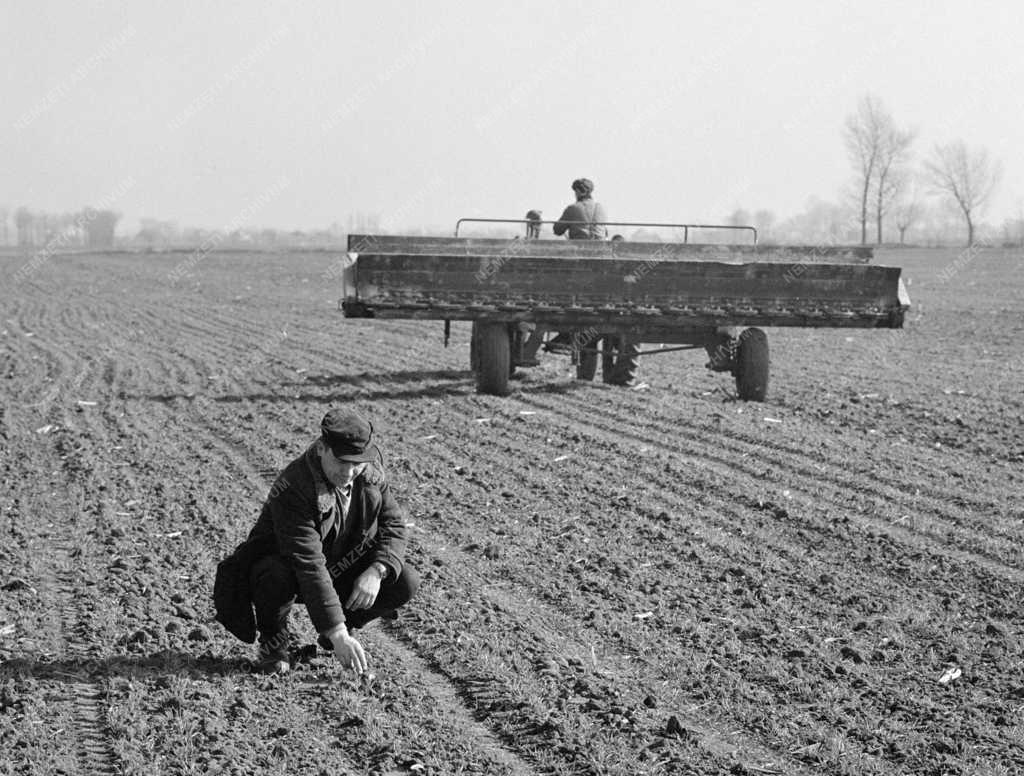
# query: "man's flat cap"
x,y
349,436
583,186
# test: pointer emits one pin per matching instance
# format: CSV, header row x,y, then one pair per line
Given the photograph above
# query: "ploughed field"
x,y
616,581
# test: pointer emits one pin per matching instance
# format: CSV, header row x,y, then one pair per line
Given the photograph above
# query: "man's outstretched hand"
x,y
347,649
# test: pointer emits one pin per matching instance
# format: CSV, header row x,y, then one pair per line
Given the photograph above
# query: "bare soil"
x,y
660,580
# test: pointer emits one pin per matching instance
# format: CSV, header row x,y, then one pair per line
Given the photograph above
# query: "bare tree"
x,y
1013,232
42,227
864,133
892,157
24,222
1013,229
968,176
907,207
99,227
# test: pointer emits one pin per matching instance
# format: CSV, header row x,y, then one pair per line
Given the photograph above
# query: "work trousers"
x,y
275,590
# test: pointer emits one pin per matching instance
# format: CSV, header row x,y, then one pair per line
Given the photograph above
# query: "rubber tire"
x,y
609,348
586,366
626,365
494,359
752,365
619,366
473,346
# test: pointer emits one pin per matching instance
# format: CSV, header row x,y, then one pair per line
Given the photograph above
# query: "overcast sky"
x,y
295,115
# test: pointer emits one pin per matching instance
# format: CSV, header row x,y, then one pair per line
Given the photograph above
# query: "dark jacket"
x,y
301,520
579,220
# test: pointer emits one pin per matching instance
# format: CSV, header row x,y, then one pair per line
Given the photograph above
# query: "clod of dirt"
x,y
994,629
673,727
650,702
173,627
185,612
199,634
141,636
851,654
8,698
17,584
177,598
492,552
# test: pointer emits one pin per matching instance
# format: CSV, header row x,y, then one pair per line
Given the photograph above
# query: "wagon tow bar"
x,y
669,350
648,352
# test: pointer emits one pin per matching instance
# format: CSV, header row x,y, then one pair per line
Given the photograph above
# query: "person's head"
x,y
583,187
533,215
345,446
617,238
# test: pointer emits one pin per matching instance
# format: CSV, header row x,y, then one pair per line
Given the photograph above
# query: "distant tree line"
x,y
918,221
87,228
157,235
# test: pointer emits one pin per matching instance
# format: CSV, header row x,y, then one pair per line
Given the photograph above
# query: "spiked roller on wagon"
x,y
608,298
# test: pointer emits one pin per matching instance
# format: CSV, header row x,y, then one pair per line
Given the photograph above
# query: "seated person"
x,y
533,219
584,219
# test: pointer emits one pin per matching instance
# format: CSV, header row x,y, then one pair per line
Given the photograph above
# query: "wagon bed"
x,y
592,282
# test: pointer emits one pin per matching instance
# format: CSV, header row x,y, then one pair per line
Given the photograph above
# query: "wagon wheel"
x,y
620,365
609,349
586,364
494,358
752,365
473,347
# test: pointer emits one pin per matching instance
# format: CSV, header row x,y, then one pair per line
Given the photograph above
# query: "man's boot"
x,y
272,654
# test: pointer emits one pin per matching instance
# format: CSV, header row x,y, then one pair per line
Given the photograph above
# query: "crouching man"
x,y
330,535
